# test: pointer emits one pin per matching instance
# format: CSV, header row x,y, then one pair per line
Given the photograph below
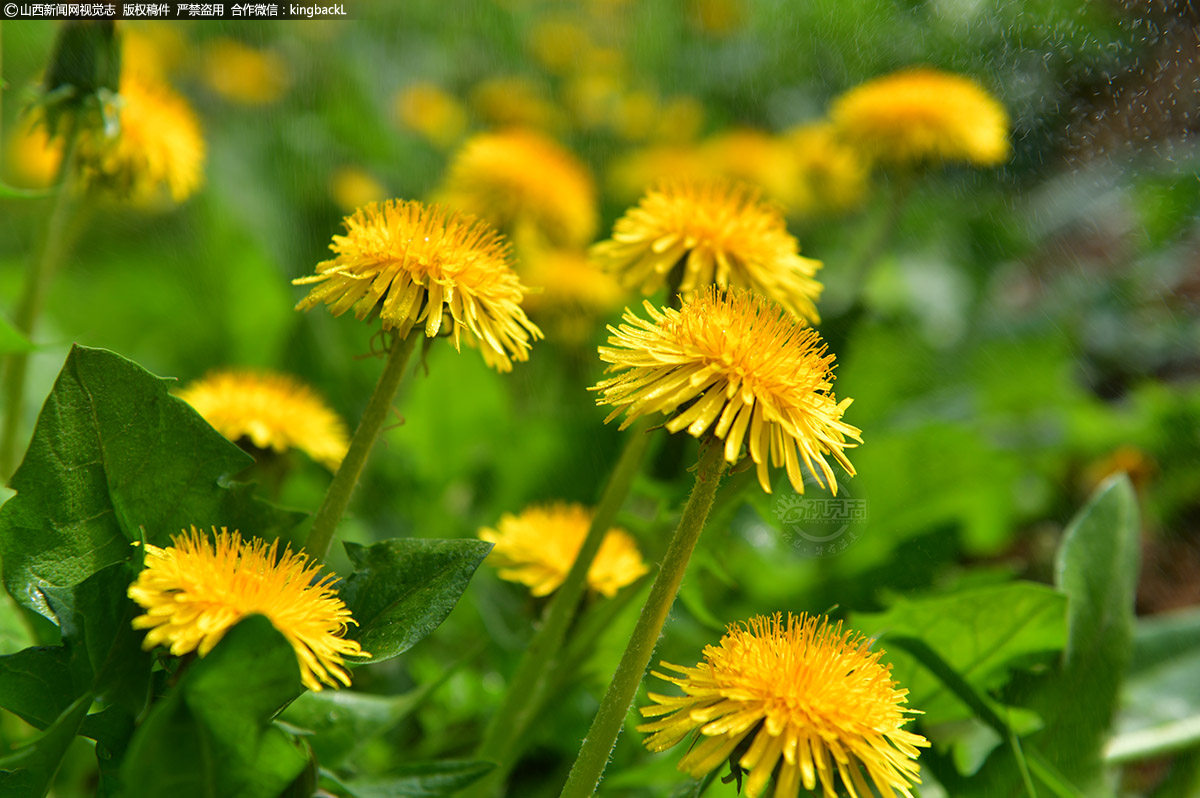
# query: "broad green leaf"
x,y
37,684
12,341
113,455
1097,568
417,780
342,720
213,734
402,589
982,633
28,771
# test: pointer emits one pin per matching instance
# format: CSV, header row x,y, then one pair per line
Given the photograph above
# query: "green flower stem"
x,y
33,293
597,746
342,486
534,675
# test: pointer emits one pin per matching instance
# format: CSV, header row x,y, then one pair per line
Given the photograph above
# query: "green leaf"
x,y
12,341
213,734
982,633
27,772
1097,568
12,192
342,720
417,780
37,685
114,454
402,589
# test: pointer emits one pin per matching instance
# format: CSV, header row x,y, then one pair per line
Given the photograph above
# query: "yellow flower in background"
x,y
538,547
157,147
514,102
33,158
718,17
635,115
757,158
244,74
630,175
558,44
734,364
525,183
153,50
412,263
801,696
679,120
568,292
273,411
197,589
352,187
923,114
428,110
717,232
831,176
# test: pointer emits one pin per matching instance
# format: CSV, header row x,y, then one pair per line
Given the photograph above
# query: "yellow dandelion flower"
x,y
352,187
803,700
33,157
196,590
511,101
717,232
758,158
412,263
923,114
428,110
273,411
538,547
568,292
243,74
153,50
680,120
831,176
630,175
157,146
556,44
524,182
734,363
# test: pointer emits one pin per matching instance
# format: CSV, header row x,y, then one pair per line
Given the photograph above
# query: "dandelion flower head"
x,y
525,183
717,232
413,264
427,109
244,74
538,546
918,115
831,176
272,411
156,147
734,364
568,293
197,589
800,699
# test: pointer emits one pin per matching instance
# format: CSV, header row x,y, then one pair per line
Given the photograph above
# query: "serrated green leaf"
x,y
28,771
416,780
981,632
213,734
1097,568
113,454
402,589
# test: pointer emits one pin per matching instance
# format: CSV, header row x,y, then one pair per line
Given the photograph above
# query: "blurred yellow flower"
x,y
157,146
568,292
631,174
592,97
735,364
635,115
679,120
801,700
514,102
923,114
524,183
428,110
412,263
33,158
243,74
717,17
558,44
831,176
352,187
196,590
153,50
538,547
757,158
273,411
716,232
